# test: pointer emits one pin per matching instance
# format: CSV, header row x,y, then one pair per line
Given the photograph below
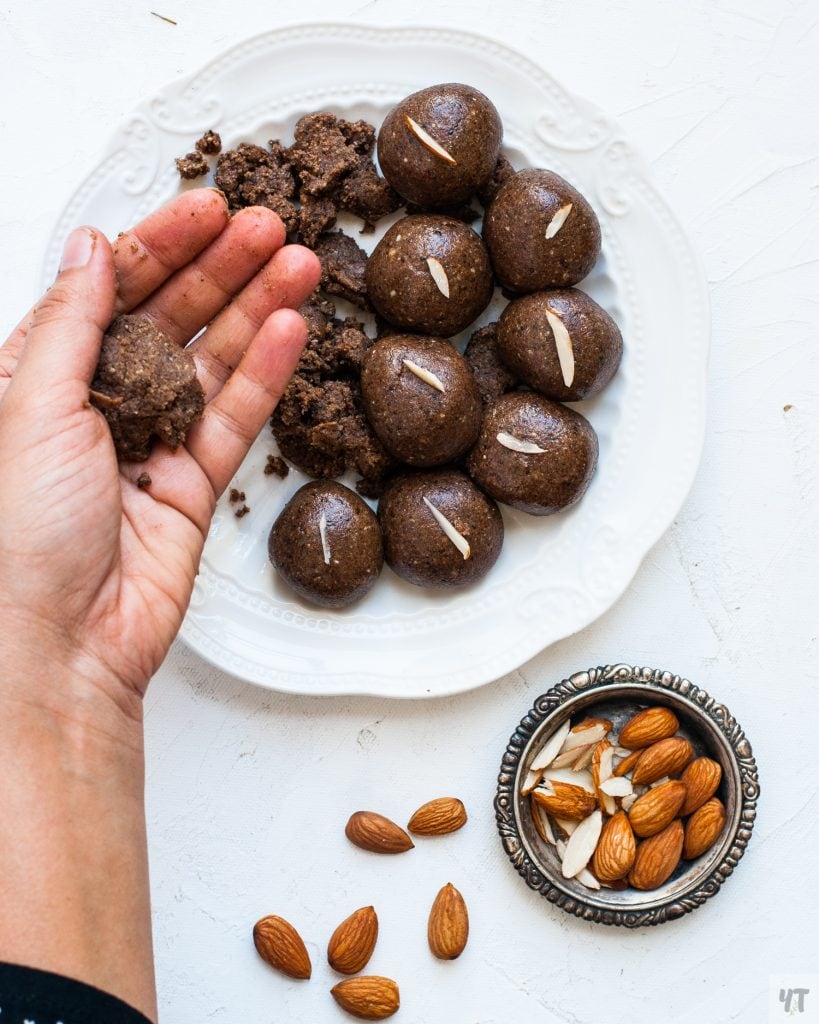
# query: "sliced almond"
x,y
584,758
582,778
566,826
581,845
551,747
628,802
460,542
592,730
532,779
660,782
563,344
325,543
427,376
438,275
585,877
628,762
559,219
514,444
560,846
568,757
602,761
427,140
617,787
542,822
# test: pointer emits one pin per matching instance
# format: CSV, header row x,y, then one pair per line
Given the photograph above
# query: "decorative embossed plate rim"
x,y
554,577
704,877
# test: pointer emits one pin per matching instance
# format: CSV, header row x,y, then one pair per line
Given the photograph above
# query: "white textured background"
x,y
249,790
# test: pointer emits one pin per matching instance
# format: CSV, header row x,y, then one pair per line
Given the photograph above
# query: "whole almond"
x,y
368,997
628,763
376,833
615,851
352,943
702,778
565,800
651,812
703,828
657,857
280,945
438,817
448,925
665,757
648,727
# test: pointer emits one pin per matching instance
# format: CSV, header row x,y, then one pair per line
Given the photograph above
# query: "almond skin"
x,y
378,834
280,945
567,801
657,857
368,997
438,817
352,943
628,763
615,851
648,727
666,757
703,828
448,925
702,778
651,812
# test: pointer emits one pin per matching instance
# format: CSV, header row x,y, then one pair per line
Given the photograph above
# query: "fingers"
x,y
63,340
196,293
147,255
286,281
232,421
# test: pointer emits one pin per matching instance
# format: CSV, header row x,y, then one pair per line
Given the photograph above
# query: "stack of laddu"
x,y
444,436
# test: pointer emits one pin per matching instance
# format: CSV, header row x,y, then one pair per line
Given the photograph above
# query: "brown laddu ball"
x,y
326,544
440,146
430,274
439,529
540,232
421,399
534,454
561,343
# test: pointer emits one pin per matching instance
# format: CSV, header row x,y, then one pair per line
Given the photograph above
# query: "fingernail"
x,y
78,249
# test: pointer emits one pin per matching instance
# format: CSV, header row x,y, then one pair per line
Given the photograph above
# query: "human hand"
x,y
95,573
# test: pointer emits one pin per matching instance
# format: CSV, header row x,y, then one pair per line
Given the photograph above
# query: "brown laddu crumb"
x,y
319,423
343,267
276,466
146,387
210,142
192,165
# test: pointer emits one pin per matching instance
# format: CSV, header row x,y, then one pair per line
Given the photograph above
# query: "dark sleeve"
x,y
37,997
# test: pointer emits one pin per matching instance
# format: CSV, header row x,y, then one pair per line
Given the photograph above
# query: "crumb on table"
x,y
235,495
243,511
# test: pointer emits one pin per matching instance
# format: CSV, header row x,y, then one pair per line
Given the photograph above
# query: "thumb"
x,y
63,341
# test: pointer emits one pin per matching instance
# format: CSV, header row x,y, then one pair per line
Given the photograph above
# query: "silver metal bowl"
x,y
617,692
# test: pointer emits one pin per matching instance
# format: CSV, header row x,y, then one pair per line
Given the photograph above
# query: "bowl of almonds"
x,y
627,795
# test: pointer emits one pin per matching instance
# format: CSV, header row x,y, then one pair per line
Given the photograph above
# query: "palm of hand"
x,y
91,565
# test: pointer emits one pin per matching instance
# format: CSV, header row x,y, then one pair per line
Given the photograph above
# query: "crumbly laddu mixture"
x,y
146,387
319,423
328,168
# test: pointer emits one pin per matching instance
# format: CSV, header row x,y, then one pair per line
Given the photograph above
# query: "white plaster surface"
x,y
248,791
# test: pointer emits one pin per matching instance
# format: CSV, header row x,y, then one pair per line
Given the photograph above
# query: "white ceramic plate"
x,y
555,575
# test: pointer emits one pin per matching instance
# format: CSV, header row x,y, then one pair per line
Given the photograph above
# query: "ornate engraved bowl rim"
x,y
703,715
